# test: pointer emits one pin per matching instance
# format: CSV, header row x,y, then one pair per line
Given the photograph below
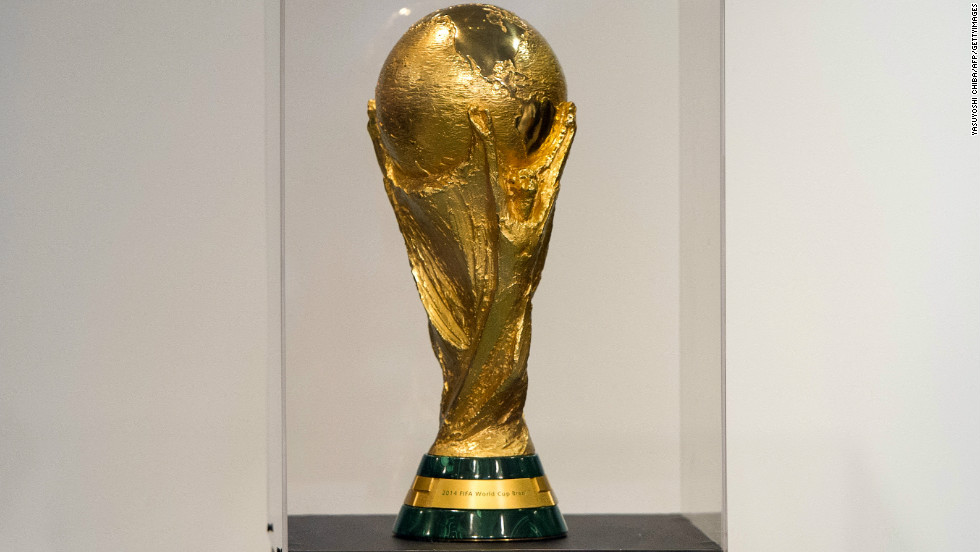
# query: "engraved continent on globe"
x,y
453,59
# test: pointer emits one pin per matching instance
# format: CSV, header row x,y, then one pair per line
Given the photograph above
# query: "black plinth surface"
x,y
597,533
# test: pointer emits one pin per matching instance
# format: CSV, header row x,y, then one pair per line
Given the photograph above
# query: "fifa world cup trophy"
x,y
471,128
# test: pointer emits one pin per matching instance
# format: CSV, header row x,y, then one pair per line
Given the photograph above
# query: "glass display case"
x,y
625,397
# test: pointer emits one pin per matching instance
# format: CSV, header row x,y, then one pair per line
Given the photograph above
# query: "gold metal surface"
x,y
471,129
482,494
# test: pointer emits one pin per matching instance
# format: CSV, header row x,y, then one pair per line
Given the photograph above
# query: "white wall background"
x,y
853,277
132,277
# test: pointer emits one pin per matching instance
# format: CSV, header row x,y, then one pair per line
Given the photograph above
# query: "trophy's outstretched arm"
x,y
525,196
372,128
451,233
552,163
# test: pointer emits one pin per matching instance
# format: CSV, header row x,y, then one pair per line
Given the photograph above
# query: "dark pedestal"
x,y
598,533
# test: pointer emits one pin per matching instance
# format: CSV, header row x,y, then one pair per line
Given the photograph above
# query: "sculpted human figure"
x,y
477,237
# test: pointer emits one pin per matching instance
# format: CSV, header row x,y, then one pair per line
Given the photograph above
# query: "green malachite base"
x,y
446,524
464,525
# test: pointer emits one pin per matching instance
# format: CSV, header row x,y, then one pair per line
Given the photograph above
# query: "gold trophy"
x,y
471,128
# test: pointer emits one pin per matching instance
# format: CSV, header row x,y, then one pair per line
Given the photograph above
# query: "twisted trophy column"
x,y
477,240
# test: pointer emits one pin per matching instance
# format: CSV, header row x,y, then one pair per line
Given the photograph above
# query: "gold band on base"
x,y
480,494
